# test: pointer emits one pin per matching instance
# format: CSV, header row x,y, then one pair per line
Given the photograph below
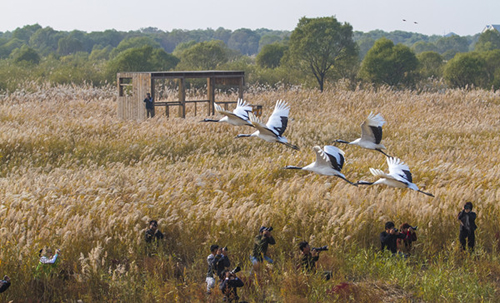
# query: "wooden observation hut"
x,y
133,87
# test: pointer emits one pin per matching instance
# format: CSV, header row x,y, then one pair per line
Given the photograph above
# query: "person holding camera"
x,y
309,257
389,238
153,237
410,237
48,262
222,262
467,220
229,285
261,243
150,106
4,284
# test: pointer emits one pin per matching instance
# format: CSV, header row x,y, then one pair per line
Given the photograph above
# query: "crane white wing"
x,y
279,118
371,128
336,156
399,170
261,127
321,157
242,109
222,111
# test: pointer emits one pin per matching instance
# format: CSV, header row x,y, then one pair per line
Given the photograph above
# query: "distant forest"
x,y
319,52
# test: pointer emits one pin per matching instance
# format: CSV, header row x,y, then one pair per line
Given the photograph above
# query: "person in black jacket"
x,y
150,106
223,262
229,286
4,284
309,258
389,237
467,220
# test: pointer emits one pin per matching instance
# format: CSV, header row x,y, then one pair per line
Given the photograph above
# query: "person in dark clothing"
x,y
389,237
309,258
410,237
4,284
261,243
223,262
467,220
229,286
150,106
212,260
153,236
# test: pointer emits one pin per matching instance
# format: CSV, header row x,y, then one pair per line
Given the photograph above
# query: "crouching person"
x,y
230,284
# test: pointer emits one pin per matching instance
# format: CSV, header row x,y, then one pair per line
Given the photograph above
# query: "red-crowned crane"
x,y
238,117
399,176
329,162
275,127
371,134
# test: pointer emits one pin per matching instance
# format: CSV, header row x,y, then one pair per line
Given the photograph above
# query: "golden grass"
x,y
74,176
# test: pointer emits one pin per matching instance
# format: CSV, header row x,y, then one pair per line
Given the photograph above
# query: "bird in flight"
x,y
238,117
399,176
275,127
329,162
371,134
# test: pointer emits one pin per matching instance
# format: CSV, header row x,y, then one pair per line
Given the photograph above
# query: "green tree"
x,y
45,40
386,63
431,64
364,46
422,46
489,40
466,69
244,40
452,43
27,55
7,48
318,45
141,59
270,55
69,45
134,42
492,59
204,56
25,32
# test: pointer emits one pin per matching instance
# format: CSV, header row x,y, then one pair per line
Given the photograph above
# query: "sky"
x,y
438,17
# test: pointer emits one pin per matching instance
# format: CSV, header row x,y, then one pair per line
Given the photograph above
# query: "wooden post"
x,y
240,88
182,98
211,95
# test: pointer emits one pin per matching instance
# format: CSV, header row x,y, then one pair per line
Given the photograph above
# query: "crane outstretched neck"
x,y
364,183
292,167
355,184
342,141
209,120
243,135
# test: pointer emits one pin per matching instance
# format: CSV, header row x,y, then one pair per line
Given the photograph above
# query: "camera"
x,y
322,248
396,230
414,227
270,228
235,270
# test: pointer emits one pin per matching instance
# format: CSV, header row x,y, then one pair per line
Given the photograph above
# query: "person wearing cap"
x,y
261,243
153,236
467,219
150,106
410,237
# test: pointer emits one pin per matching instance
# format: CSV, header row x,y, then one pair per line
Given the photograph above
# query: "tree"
x,y
270,55
431,64
422,46
45,40
27,54
69,45
452,43
466,69
141,59
244,40
318,45
204,56
489,40
134,42
386,63
492,59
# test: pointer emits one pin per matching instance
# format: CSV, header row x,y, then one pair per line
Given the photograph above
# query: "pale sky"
x,y
433,17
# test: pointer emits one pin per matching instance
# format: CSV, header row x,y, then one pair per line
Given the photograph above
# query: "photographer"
x,y
229,285
223,262
410,237
261,243
389,237
467,220
4,284
48,262
309,258
152,236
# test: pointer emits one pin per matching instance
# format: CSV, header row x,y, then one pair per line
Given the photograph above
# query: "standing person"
x,y
150,106
223,262
410,237
4,284
467,220
212,259
389,237
261,243
153,236
48,262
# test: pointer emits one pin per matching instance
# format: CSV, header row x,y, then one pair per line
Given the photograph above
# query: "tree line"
x,y
318,51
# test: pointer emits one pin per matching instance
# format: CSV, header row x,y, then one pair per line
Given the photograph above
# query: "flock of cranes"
x,y
330,159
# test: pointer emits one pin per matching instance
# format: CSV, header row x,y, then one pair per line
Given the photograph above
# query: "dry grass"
x,y
74,176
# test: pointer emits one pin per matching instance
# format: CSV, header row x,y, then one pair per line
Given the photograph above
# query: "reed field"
x,y
73,176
